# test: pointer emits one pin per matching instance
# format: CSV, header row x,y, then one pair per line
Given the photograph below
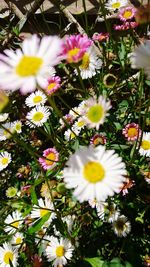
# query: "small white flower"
x,y
96,111
6,131
33,64
113,5
3,117
94,173
59,251
16,125
17,239
5,159
71,134
140,58
37,116
90,64
35,99
145,145
43,208
79,125
121,226
8,254
14,221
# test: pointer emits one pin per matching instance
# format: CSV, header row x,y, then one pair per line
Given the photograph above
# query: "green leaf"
x,y
38,224
33,196
95,262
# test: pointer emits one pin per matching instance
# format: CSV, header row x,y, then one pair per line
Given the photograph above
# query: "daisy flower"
x,y
35,99
127,184
71,134
113,5
132,131
44,207
75,46
100,207
14,221
6,131
3,117
50,158
54,83
17,239
30,66
111,211
78,125
100,36
37,116
59,251
16,125
145,145
98,139
140,58
11,192
121,226
68,118
8,254
94,173
90,64
96,111
5,159
127,13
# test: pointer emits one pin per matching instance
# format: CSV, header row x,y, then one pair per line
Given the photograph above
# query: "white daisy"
x,y
35,99
14,221
5,159
94,173
17,239
31,65
43,208
96,111
71,134
3,117
8,254
145,145
140,58
100,207
79,125
59,251
113,5
121,226
6,131
90,64
16,125
37,116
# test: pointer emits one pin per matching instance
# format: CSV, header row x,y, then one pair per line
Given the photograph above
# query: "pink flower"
x,y
132,131
98,139
75,46
126,26
53,85
127,13
50,158
100,36
127,185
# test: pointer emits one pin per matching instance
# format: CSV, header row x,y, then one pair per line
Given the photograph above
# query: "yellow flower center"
x,y
127,14
60,251
95,113
6,133
4,161
18,240
85,61
132,132
93,172
116,5
51,86
8,256
80,123
15,224
29,66
145,144
38,116
18,127
73,52
50,158
37,99
43,212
